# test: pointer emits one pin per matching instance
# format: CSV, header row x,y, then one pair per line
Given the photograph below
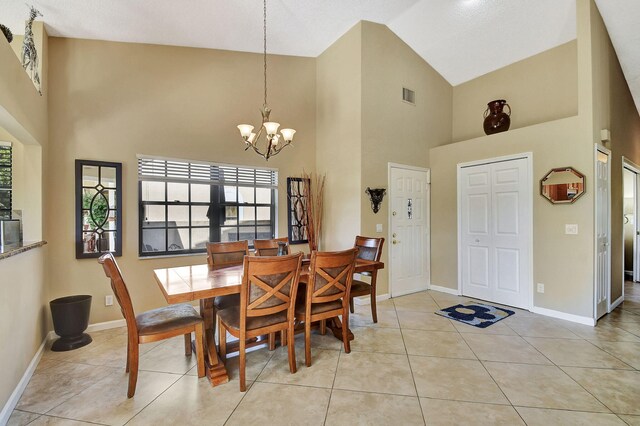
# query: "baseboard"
x,y
22,384
615,304
564,316
106,325
366,300
447,290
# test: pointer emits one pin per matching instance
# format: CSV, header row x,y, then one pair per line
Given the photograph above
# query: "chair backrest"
x,y
222,255
270,247
330,276
112,271
369,248
269,286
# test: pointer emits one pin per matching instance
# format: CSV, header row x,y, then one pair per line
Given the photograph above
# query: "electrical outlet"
x,y
379,228
571,228
108,300
540,288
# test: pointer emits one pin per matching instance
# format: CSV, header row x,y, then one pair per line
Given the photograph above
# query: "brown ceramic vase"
x,y
495,119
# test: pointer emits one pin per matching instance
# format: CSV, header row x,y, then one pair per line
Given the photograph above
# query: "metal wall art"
x,y
375,196
29,53
297,218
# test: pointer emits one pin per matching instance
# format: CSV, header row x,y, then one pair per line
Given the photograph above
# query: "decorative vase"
x,y
7,33
70,320
495,120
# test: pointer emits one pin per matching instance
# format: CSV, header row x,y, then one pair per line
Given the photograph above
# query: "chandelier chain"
x,y
265,51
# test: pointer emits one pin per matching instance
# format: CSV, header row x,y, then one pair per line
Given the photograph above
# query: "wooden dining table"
x,y
198,282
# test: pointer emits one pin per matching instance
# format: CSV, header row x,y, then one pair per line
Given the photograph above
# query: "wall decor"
x,y
297,212
314,206
495,119
98,208
7,33
563,185
29,52
375,196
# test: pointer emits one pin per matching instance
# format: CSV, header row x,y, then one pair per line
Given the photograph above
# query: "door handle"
x,y
395,242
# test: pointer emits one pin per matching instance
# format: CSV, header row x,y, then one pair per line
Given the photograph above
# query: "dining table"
x,y
199,283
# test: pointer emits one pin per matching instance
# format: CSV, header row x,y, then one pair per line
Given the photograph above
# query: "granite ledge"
x,y
15,249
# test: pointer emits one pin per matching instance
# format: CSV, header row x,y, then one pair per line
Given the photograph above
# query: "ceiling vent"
x,y
409,96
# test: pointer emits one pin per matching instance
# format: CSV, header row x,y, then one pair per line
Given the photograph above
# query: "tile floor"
x,y
413,367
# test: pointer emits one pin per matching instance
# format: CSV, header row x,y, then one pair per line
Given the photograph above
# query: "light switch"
x,y
379,228
571,228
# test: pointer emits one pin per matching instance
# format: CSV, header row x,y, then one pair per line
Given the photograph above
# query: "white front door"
x,y
603,247
409,226
495,232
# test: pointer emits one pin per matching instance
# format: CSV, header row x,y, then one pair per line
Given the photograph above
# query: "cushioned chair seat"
x,y
359,288
224,302
167,318
231,317
318,308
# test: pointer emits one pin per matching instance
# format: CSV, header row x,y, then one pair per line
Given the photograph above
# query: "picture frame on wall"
x,y
296,210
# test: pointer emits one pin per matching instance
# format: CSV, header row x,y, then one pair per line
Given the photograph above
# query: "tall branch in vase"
x,y
313,188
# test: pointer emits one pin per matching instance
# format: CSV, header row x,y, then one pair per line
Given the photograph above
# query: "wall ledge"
x,y
15,249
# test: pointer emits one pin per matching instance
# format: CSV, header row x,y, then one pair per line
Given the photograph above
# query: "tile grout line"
x,y
326,413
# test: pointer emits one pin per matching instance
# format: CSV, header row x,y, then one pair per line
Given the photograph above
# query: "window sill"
x,y
15,249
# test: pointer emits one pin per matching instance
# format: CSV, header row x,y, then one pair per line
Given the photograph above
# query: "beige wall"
x,y
393,130
540,88
111,101
562,262
339,137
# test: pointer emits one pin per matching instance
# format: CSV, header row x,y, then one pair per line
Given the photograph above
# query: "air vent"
x,y
408,95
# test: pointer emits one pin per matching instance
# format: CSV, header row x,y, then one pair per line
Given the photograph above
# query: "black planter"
x,y
70,320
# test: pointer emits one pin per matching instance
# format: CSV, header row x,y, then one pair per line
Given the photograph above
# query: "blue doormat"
x,y
475,314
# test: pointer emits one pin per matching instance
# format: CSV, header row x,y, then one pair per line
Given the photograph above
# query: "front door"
x,y
409,218
603,253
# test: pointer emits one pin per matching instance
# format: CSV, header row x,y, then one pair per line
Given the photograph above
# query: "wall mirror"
x,y
98,208
563,185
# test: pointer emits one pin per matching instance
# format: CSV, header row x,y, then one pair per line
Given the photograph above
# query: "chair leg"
x,y
323,327
243,364
283,337
199,331
133,369
307,342
374,310
345,331
272,341
222,341
351,307
126,370
291,349
187,344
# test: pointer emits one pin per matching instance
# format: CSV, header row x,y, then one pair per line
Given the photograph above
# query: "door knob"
x,y
395,242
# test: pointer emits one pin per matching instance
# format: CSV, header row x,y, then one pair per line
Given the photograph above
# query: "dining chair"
x,y
267,303
328,288
270,247
151,326
369,248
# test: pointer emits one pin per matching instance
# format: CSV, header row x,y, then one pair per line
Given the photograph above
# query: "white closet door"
x,y
495,236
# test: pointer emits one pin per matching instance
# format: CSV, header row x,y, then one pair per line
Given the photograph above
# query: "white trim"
x,y
22,384
447,290
634,168
366,300
391,165
107,325
523,155
607,152
564,316
615,304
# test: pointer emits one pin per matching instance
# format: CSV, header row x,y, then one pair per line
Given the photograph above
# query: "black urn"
x,y
70,320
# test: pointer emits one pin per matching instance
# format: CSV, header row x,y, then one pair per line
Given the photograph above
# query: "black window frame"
x,y
6,150
216,176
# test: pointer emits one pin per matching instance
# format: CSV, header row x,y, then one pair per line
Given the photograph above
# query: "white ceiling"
x,y
461,39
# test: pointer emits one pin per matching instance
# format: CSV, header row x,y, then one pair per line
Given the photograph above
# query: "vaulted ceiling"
x,y
461,39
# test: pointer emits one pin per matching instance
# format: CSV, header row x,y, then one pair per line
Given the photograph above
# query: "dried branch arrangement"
x,y
314,205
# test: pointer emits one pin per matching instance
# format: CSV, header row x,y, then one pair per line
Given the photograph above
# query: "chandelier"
x,y
274,142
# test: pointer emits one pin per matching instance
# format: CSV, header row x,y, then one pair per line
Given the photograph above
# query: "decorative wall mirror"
x,y
98,208
563,185
297,213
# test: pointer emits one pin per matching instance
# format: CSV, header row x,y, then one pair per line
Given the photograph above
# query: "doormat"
x,y
477,315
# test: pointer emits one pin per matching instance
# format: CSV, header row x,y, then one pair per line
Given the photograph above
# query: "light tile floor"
x,y
413,367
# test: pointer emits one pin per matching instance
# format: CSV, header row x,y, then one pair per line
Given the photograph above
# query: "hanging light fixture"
x,y
274,142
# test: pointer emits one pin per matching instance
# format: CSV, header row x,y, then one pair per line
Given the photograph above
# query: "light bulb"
x,y
287,134
251,138
271,127
245,130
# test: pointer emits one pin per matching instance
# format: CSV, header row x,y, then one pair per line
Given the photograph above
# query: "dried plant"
x,y
314,205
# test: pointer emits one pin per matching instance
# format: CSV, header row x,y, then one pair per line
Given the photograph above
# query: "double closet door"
x,y
495,231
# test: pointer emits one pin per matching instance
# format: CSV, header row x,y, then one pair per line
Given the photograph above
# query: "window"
x,y
5,180
184,205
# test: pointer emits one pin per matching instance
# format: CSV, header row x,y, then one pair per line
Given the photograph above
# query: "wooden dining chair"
x,y
222,255
151,326
267,303
328,288
369,249
270,247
